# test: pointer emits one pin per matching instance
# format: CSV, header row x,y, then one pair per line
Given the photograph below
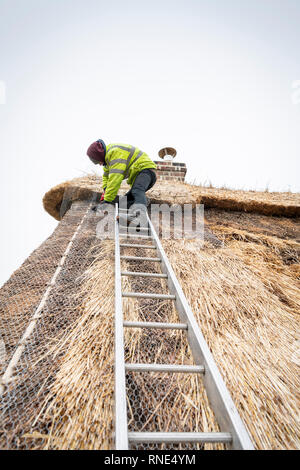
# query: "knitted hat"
x,y
96,152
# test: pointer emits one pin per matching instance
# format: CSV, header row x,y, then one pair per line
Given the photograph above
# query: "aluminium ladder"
x,y
233,433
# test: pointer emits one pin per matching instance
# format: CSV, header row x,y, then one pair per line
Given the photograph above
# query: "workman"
x,y
123,162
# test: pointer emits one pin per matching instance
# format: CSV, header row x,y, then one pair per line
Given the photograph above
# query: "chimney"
x,y
167,170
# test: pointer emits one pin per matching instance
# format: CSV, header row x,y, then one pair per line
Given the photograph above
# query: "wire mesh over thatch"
x,y
57,383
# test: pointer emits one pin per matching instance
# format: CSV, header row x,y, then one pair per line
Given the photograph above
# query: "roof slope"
x,y
244,294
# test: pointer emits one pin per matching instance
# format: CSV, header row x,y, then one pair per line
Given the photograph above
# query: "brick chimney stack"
x,y
167,170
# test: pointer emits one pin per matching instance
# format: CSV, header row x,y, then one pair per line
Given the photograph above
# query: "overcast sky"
x,y
219,80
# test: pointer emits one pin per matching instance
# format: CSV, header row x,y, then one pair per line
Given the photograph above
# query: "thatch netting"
x,y
245,297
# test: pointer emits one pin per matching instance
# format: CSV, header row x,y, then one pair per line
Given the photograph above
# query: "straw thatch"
x,y
246,303
244,294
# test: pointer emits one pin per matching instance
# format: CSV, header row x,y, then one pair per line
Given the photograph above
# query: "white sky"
x,y
212,78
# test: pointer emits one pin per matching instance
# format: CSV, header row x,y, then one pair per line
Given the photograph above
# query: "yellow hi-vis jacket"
x,y
121,162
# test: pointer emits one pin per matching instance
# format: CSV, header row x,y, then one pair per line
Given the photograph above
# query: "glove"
x,y
102,197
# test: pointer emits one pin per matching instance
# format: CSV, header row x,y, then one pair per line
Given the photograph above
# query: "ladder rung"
x,y
128,235
178,437
144,295
132,273
165,326
127,214
139,258
165,368
127,245
134,229
121,209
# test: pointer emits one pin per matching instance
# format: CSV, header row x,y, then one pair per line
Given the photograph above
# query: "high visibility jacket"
x,y
121,162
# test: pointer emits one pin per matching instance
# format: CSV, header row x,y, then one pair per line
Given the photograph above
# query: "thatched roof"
x,y
244,295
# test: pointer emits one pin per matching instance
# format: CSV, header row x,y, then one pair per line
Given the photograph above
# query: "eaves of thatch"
x,y
276,204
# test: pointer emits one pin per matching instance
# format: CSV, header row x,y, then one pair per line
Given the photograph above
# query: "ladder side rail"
x,y
226,413
121,426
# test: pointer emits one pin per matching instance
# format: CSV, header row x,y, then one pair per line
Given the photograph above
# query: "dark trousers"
x,y
144,181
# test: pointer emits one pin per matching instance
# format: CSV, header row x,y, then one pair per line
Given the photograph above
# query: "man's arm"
x,y
114,180
105,177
